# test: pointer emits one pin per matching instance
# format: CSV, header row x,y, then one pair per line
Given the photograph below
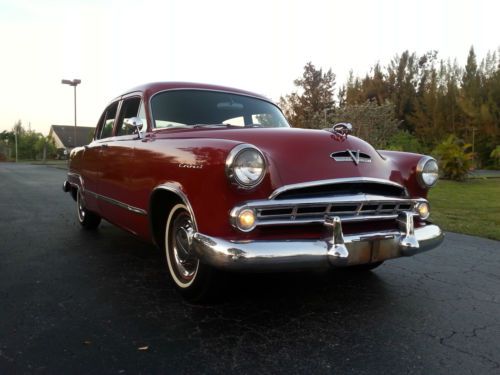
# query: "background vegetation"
x,y
30,144
413,104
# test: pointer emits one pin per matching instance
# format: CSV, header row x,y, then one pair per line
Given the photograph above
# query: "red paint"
x,y
128,169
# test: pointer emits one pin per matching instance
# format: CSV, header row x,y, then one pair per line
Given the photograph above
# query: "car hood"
x,y
301,155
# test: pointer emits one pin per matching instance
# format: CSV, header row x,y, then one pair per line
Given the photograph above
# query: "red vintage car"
x,y
216,178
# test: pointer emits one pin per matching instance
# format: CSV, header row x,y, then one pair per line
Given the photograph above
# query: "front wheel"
x,y
192,278
86,218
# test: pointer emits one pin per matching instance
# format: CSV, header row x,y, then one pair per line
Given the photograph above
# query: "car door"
x,y
91,172
117,184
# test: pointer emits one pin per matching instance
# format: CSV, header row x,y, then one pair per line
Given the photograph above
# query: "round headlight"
x,y
245,166
427,172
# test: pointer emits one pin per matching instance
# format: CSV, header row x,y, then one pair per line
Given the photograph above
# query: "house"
x,y
64,137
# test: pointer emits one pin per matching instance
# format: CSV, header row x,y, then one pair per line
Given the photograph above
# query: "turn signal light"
x,y
423,210
246,219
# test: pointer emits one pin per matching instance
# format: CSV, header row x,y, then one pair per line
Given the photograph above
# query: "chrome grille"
x,y
341,186
349,208
352,200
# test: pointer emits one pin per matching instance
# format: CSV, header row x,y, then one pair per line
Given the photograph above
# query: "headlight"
x,y
245,166
427,172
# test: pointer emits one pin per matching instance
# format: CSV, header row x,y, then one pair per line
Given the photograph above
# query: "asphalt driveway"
x,y
73,301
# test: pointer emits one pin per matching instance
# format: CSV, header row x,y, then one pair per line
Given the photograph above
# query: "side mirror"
x,y
136,123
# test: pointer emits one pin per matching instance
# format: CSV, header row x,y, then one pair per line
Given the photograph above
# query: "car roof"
x,y
152,88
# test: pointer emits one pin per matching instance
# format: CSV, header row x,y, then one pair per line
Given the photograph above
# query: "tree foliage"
x,y
308,107
372,122
431,99
30,144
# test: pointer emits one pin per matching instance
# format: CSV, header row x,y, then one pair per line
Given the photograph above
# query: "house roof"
x,y
66,133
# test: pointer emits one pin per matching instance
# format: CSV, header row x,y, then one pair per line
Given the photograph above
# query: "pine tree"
x,y
309,108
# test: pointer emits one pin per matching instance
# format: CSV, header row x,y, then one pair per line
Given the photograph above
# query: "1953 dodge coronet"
x,y
216,178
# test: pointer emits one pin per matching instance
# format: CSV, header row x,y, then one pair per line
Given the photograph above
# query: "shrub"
x,y
455,159
404,141
495,155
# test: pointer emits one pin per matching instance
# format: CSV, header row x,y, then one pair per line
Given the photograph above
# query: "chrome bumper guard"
x,y
337,250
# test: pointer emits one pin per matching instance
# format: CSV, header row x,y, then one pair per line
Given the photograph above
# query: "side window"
x,y
108,122
129,109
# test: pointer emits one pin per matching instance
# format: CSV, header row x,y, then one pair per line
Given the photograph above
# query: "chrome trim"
x,y
337,243
79,178
136,123
354,155
174,188
301,185
229,166
295,218
420,168
66,186
343,128
361,248
117,203
408,239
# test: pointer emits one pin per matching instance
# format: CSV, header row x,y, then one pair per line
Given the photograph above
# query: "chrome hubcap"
x,y
81,208
185,262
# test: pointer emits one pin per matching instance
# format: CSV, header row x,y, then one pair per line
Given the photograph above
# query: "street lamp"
x,y
75,82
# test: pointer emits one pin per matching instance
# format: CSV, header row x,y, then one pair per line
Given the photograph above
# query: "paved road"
x,y
78,302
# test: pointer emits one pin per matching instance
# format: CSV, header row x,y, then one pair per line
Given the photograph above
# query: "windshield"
x,y
186,108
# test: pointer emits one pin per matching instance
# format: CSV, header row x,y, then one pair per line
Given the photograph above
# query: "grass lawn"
x,y
471,207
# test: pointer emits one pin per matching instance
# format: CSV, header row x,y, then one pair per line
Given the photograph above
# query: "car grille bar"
x,y
350,208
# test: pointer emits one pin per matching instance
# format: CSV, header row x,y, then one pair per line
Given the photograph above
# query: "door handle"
x,y
104,145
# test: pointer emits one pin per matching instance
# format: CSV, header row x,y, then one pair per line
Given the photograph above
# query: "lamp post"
x,y
75,82
15,139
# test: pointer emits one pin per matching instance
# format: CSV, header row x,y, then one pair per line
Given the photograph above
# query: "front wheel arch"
x,y
162,200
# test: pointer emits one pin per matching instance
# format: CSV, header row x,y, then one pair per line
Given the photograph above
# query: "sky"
x,y
256,45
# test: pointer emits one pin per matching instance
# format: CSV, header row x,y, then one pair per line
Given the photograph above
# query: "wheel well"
x,y
73,192
162,201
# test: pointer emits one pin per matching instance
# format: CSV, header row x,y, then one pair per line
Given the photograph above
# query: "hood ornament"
x,y
340,130
344,128
351,155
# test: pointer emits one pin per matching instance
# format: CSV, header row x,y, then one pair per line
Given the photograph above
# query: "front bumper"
x,y
337,250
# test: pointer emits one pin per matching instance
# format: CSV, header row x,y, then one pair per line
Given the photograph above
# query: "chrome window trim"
x,y
301,185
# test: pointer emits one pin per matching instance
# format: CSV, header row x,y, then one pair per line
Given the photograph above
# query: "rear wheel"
x,y
192,278
86,218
